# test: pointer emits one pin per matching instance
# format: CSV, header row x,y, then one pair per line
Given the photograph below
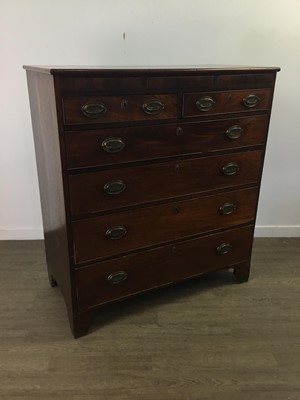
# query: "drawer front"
x,y
227,82
105,109
129,230
235,101
107,190
121,277
121,145
82,86
244,81
87,86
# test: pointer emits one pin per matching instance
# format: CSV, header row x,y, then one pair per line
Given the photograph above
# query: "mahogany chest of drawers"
x,y
147,176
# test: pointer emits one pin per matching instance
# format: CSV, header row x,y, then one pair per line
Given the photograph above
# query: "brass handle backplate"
x,y
116,232
234,132
224,248
252,100
153,107
230,168
113,145
205,103
94,109
227,208
117,277
114,187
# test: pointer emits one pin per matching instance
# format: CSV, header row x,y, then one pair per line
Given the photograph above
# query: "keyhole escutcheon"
x,y
124,104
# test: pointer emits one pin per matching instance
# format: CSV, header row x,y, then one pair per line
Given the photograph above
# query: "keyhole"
x,y
229,98
124,104
178,168
176,209
179,131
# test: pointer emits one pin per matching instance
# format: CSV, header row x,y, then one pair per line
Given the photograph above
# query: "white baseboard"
x,y
260,231
21,234
277,231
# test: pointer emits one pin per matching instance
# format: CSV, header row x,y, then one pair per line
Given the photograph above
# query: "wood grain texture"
x,y
207,339
133,111
169,264
166,200
160,224
226,102
78,85
83,148
49,163
161,181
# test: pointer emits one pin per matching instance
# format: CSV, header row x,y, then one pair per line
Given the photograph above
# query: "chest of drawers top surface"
x,y
146,69
148,175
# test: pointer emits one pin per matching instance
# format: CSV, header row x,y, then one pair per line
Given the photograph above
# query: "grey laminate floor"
x,y
206,339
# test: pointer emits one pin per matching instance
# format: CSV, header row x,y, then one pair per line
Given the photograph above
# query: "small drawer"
x,y
196,82
121,145
227,82
122,187
244,81
92,86
110,235
125,276
106,109
234,101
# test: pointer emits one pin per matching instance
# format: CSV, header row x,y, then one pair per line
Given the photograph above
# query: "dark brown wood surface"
x,y
226,102
169,162
47,148
84,85
169,264
83,148
160,224
161,181
133,111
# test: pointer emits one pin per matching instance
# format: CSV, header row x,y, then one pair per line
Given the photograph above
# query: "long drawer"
x,y
120,232
100,147
107,190
124,276
106,109
213,103
81,86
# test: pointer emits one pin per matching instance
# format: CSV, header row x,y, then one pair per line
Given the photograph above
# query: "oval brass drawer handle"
x,y
227,208
252,100
117,277
153,107
116,232
113,145
205,103
114,187
94,109
230,169
234,132
224,248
